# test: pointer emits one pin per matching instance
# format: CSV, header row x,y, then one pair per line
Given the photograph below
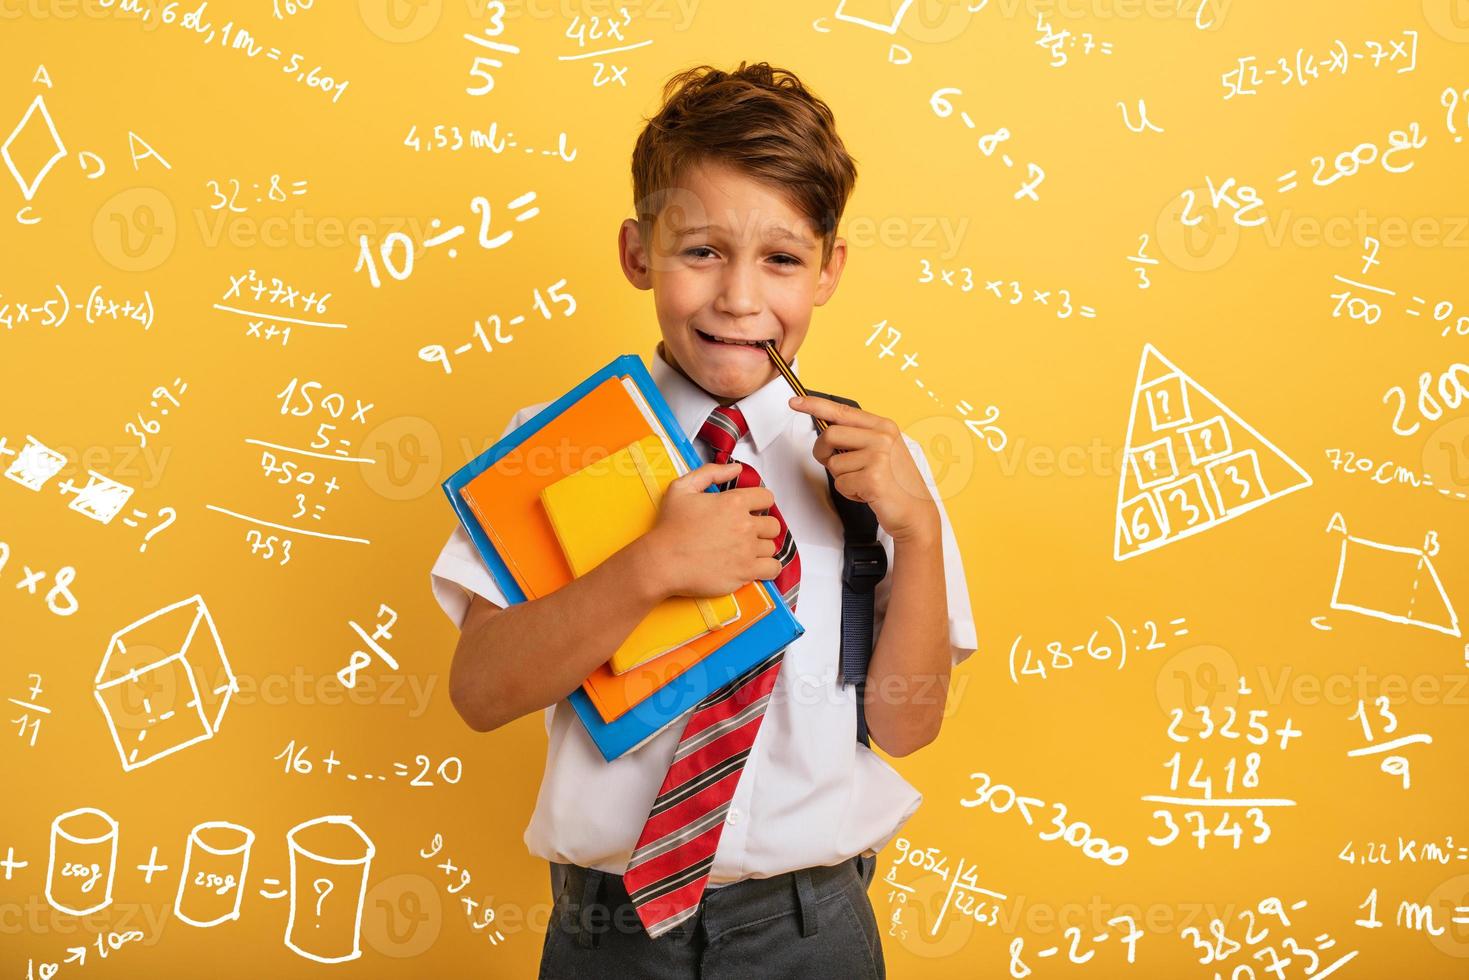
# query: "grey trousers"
x,y
815,924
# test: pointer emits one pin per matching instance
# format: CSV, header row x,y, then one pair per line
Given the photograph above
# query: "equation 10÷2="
x,y
399,252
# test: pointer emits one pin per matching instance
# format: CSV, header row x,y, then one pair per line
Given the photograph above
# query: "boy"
x,y
763,870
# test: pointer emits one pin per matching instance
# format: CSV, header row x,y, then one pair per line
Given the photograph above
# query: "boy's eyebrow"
x,y
785,234
777,233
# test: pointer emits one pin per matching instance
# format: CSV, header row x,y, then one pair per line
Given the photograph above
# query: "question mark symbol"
x,y
1450,101
323,887
172,516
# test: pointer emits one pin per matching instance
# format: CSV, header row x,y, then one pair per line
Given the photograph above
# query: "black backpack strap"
x,y
864,563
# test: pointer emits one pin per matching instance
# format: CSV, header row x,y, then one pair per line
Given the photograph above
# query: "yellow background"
x,y
1246,312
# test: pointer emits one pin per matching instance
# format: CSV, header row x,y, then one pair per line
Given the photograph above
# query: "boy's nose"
x,y
739,294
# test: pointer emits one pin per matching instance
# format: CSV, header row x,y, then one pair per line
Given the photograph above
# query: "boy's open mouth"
x,y
730,342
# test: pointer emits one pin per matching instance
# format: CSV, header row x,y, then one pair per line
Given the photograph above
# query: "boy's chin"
x,y
726,383
722,379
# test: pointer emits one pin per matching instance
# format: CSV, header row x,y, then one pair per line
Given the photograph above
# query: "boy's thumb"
x,y
709,474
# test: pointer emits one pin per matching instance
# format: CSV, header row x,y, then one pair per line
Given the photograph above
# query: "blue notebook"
x,y
773,631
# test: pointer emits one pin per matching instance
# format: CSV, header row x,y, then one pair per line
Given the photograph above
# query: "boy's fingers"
x,y
708,475
834,412
842,438
766,569
752,499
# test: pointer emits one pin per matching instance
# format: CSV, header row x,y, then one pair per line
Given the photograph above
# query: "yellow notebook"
x,y
606,505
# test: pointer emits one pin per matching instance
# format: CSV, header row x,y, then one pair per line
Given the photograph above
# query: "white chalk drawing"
x,y
165,661
101,499
330,859
79,869
1189,462
1391,582
30,183
890,27
216,862
32,711
34,464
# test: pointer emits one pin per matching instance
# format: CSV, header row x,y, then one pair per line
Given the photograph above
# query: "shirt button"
x,y
733,816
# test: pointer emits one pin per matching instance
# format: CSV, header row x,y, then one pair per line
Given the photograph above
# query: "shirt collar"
x,y
766,410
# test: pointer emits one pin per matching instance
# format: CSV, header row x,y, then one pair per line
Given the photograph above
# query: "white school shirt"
x,y
810,793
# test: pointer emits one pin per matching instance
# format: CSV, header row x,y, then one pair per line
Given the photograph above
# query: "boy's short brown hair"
x,y
759,119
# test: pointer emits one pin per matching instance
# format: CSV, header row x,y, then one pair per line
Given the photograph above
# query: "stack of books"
x,y
559,495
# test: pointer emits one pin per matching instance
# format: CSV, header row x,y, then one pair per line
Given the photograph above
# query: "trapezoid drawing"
x,y
1394,583
1190,462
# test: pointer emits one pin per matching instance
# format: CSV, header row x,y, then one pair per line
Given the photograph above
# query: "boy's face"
x,y
730,260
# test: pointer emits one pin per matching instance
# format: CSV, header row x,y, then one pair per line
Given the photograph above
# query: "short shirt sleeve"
x,y
459,572
962,636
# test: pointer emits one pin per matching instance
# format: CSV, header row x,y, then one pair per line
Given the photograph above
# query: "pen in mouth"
x,y
791,379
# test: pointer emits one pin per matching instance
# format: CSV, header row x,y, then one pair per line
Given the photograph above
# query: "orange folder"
x,y
505,499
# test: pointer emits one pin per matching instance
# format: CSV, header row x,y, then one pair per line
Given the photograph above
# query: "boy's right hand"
x,y
710,544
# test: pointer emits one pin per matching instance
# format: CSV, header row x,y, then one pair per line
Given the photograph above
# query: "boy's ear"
x,y
831,273
634,255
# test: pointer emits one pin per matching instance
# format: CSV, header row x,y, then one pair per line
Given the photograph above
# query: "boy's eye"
x,y
704,252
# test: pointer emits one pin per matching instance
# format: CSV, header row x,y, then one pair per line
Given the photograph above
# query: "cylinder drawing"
x,y
215,864
83,856
330,858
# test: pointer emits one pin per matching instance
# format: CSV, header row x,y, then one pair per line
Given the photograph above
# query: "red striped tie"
x,y
670,866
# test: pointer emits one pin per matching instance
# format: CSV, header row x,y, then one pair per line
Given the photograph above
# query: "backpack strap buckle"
x,y
864,565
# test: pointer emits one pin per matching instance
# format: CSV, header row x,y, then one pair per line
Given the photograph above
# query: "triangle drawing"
x,y
1189,462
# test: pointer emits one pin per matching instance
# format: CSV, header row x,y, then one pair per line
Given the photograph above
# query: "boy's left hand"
x,y
869,459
